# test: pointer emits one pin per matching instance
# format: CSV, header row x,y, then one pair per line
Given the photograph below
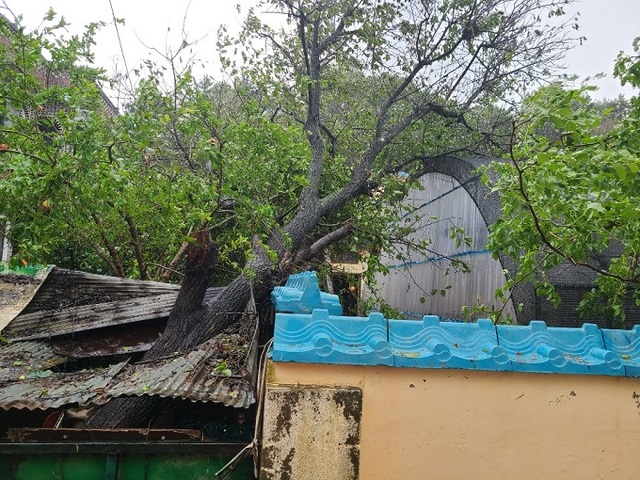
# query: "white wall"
x,y
5,246
408,286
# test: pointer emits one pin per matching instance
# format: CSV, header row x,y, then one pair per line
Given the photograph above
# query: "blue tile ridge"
x,y
309,328
542,349
324,338
431,343
626,344
301,294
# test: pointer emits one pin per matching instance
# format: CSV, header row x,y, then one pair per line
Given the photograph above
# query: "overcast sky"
x,y
609,25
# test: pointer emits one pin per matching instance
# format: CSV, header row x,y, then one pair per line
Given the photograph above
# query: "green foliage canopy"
x,y
118,193
570,190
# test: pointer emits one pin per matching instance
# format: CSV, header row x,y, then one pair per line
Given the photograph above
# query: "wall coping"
x,y
316,335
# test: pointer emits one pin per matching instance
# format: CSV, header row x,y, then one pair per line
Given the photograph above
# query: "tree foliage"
x,y
382,87
570,195
340,109
86,188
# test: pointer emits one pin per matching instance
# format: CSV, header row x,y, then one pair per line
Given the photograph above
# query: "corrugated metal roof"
x,y
18,359
197,375
31,376
16,291
71,302
45,389
71,288
49,323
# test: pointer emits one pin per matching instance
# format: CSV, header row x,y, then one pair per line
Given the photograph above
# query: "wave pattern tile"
x,y
324,338
625,343
431,343
312,332
538,348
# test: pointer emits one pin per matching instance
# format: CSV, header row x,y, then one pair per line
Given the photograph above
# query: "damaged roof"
x,y
75,342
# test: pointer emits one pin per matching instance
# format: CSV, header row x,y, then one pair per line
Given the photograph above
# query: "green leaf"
x,y
597,206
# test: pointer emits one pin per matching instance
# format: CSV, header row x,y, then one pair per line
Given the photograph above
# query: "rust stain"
x,y
563,398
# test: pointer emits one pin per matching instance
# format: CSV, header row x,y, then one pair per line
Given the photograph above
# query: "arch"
x,y
465,171
571,281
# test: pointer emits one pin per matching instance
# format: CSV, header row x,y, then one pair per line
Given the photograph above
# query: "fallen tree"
x,y
378,89
433,62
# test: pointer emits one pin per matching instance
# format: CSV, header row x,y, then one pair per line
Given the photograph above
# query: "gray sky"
x,y
609,25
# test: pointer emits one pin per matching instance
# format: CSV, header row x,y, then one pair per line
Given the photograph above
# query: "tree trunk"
x,y
190,324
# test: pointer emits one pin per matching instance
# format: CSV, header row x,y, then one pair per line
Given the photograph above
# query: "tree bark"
x,y
190,324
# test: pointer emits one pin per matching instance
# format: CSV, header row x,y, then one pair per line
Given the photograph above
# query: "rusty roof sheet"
x,y
201,374
45,389
77,317
49,323
19,359
72,288
69,302
16,291
219,370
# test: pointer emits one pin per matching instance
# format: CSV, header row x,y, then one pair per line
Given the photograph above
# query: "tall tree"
x,y
417,71
431,61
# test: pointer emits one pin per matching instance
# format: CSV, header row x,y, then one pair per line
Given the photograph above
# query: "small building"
x,y
71,341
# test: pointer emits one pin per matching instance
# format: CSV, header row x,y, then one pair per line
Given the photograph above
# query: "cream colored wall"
x,y
458,424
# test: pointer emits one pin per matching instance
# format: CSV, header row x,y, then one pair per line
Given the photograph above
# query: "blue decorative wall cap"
x,y
315,332
538,348
324,338
431,343
301,294
626,344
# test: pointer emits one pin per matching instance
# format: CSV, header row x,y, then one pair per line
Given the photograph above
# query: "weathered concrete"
x,y
311,432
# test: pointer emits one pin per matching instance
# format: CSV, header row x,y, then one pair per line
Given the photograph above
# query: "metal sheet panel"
x,y
21,358
45,389
219,370
72,288
16,291
51,323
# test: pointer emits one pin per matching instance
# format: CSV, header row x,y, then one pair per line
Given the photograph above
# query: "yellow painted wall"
x,y
458,424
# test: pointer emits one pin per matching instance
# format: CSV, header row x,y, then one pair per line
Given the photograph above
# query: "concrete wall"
x,y
453,424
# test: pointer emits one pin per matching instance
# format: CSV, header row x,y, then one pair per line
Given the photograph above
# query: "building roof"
x,y
76,340
50,78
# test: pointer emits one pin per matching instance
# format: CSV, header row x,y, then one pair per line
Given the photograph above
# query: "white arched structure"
x,y
432,284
